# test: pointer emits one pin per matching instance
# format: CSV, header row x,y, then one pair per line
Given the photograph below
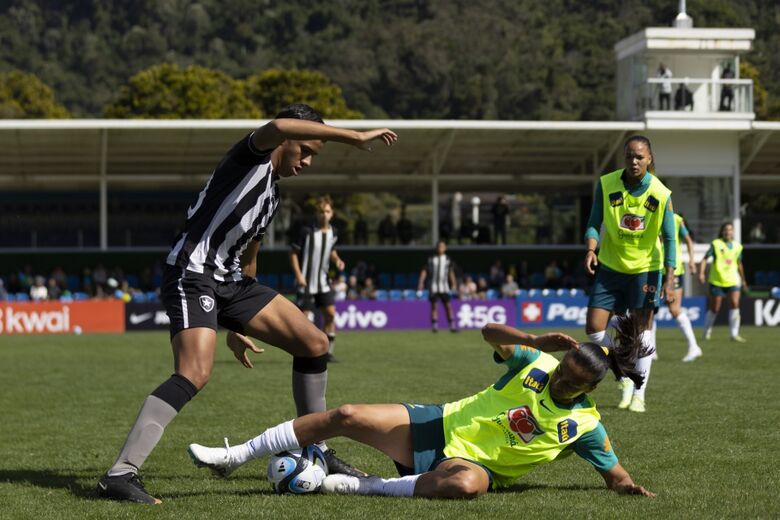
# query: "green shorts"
x,y
427,424
620,292
717,290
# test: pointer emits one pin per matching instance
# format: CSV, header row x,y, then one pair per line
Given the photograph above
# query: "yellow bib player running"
x,y
538,412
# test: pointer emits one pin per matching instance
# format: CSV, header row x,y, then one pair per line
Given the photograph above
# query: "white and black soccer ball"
x,y
297,471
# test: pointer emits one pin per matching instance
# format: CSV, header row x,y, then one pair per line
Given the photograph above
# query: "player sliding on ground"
x,y
536,413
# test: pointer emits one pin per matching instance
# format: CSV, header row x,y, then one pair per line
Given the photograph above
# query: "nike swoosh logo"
x,y
135,319
541,402
102,486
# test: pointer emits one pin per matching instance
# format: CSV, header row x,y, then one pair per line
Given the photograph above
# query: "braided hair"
x,y
622,358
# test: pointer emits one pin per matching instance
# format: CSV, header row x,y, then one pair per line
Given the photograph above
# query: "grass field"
x,y
707,444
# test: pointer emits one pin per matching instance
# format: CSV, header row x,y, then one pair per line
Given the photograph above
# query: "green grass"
x,y
707,444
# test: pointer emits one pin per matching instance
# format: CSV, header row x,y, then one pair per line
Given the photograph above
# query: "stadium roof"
x,y
457,155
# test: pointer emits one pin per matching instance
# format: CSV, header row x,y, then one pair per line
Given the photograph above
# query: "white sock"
x,y
391,487
643,366
274,440
602,338
709,321
734,320
685,326
653,332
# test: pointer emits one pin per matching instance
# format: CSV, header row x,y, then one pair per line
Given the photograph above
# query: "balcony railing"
x,y
697,95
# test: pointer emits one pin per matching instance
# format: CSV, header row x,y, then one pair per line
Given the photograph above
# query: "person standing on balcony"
x,y
726,90
665,94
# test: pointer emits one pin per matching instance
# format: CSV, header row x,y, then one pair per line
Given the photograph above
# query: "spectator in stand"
x,y
665,92
552,276
386,231
509,289
100,280
404,228
500,211
3,292
59,278
497,275
369,291
53,289
468,289
86,282
353,288
482,288
340,288
523,276
726,89
361,230
14,285
757,235
38,291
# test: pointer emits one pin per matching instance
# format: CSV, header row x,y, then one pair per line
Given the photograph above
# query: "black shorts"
x,y
198,300
314,301
443,296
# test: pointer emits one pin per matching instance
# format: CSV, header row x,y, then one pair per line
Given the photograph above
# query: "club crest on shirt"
x,y
651,204
206,303
523,423
632,222
616,199
566,430
536,380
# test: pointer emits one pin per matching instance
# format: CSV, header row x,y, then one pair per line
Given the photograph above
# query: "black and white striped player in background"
x,y
441,283
310,256
210,281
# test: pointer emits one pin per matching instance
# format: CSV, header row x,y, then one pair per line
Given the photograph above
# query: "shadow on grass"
x,y
52,479
519,488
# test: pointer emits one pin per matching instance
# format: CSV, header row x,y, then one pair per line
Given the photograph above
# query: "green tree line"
x,y
458,59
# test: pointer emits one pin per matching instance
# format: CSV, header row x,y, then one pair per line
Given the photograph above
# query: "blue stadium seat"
x,y
773,278
410,294
22,297
396,295
80,296
288,281
384,280
775,292
262,279
424,294
537,280
522,293
760,278
381,295
534,293
413,279
132,280
74,282
139,297
151,296
11,297
400,281
272,281
493,294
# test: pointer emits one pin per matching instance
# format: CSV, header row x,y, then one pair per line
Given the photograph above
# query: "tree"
x,y
274,89
24,96
168,92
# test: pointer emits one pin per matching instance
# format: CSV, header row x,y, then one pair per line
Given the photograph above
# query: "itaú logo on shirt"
x,y
566,430
632,222
523,423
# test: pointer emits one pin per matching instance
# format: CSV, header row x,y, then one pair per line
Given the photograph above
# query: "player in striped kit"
x,y
441,282
310,257
210,281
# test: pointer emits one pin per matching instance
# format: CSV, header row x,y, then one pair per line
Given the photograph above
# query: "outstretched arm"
x,y
275,132
691,258
503,339
619,481
248,260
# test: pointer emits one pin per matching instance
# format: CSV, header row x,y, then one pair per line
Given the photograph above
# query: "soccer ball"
x,y
297,471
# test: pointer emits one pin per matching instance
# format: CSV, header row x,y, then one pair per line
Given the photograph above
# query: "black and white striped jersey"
x,y
438,274
236,206
314,247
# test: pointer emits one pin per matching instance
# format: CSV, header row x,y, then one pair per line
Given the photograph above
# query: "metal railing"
x,y
697,95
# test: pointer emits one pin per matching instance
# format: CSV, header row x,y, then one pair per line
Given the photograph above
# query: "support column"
x,y
737,202
435,203
103,189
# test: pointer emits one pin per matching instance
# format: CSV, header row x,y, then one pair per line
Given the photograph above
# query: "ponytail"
x,y
628,349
